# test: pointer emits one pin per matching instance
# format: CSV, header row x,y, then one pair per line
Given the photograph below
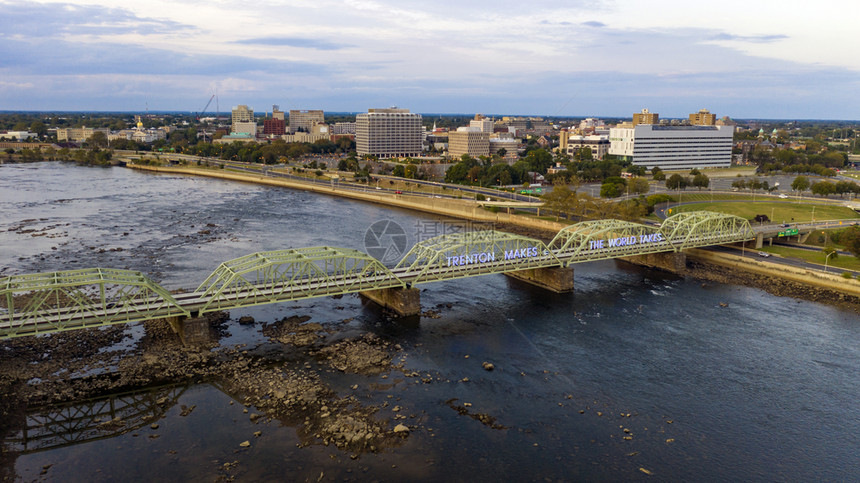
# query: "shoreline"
x,y
795,282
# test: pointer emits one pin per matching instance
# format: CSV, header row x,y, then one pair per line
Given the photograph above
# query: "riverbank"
x,y
795,282
466,209
774,278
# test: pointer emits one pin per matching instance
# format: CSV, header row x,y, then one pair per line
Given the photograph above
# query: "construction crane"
x,y
206,107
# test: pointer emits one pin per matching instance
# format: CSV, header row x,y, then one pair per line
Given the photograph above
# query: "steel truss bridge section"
x,y
283,275
50,302
459,255
605,239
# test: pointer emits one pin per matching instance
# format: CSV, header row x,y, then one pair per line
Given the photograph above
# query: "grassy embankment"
x,y
845,262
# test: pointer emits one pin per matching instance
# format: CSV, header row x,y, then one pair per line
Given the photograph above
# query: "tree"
x,y
801,183
739,184
39,128
98,139
657,174
823,188
638,185
611,190
850,239
637,170
561,200
701,181
676,182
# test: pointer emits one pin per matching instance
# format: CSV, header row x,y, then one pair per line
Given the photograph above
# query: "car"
x,y
398,192
785,225
763,254
783,197
378,188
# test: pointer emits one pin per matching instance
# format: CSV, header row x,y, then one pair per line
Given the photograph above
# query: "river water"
x,y
763,389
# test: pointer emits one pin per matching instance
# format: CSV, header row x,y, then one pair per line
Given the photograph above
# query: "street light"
x,y
827,258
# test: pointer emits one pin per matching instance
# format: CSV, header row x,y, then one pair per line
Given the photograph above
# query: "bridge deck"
x,y
274,277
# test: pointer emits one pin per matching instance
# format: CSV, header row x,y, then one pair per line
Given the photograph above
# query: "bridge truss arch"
x,y
294,274
472,253
74,299
608,238
700,228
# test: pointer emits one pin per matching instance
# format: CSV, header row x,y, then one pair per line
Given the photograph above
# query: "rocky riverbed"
x,y
280,380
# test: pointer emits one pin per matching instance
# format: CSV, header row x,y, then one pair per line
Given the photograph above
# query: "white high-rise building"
x,y
389,133
242,119
482,123
673,147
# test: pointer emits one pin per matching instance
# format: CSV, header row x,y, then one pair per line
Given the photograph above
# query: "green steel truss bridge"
x,y
49,302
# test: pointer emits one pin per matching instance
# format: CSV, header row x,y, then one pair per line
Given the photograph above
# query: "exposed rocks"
x,y
366,355
488,366
773,285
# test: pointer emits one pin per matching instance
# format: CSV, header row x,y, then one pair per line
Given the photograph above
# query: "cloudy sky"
x,y
745,59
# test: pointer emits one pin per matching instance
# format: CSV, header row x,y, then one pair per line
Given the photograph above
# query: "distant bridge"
x,y
66,300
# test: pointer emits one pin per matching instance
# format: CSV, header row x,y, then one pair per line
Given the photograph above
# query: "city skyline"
x,y
583,58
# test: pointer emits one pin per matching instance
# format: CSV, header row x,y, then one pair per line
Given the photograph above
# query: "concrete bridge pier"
x,y
403,301
556,279
671,261
191,330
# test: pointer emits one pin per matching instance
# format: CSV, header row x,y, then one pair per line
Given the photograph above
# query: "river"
x,y
639,374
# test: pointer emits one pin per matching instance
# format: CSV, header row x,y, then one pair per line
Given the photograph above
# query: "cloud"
x,y
53,20
749,38
594,23
293,42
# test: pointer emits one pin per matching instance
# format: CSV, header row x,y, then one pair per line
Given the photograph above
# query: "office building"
x,y
343,128
599,145
274,127
646,117
389,133
482,123
303,120
242,120
79,134
703,118
673,147
277,113
469,140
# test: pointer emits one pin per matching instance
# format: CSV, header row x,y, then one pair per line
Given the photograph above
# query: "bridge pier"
x,y
556,279
404,301
191,330
671,261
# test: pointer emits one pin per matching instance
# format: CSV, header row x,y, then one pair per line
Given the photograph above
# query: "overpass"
x,y
41,303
